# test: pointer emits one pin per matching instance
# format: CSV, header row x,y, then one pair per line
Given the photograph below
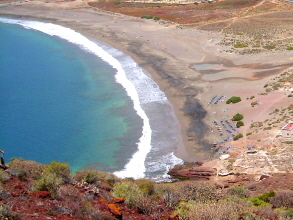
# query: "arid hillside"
x,y
34,191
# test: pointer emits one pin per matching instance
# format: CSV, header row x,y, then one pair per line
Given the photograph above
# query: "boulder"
x,y
114,209
193,173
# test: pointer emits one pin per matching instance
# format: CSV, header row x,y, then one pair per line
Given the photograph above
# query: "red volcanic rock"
x,y
114,209
118,200
18,186
194,173
264,176
41,194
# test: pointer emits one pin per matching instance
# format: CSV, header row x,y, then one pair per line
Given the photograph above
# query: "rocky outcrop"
x,y
193,173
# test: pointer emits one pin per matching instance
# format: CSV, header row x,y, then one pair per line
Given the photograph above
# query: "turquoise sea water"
x,y
61,103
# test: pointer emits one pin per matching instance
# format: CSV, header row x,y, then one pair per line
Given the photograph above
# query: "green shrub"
x,y
258,202
239,124
135,198
48,182
129,191
156,18
248,133
117,3
61,170
89,176
236,137
147,17
265,197
269,47
233,99
238,117
240,45
289,48
183,209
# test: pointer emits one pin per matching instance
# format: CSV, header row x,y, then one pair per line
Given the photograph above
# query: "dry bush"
x,y
68,192
3,176
169,192
145,204
187,191
146,186
28,168
90,176
239,191
266,212
282,199
199,192
222,210
7,213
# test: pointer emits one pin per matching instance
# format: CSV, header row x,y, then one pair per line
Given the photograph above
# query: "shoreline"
x,y
181,151
168,53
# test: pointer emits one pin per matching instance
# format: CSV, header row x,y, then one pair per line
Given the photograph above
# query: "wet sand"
x,y
166,51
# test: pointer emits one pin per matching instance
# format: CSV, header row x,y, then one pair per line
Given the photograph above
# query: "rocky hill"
x,y
35,191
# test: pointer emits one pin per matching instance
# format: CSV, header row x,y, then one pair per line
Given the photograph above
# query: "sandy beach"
x,y
172,55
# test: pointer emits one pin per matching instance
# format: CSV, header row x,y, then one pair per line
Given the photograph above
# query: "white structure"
x,y
287,130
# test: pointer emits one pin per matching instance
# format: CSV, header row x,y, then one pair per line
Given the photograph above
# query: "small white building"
x,y
287,130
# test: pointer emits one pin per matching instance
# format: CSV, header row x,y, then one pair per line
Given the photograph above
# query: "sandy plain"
x,y
188,63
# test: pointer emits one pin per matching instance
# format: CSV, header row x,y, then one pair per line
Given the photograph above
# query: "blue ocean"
x,y
67,98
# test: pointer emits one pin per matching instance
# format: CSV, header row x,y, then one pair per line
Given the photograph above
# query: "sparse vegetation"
x,y
238,117
269,47
236,137
240,45
248,133
239,124
233,99
147,17
84,198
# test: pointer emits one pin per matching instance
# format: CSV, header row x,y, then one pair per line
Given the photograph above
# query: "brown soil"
x,y
194,13
74,202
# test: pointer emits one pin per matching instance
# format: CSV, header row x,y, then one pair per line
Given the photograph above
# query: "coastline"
x,y
168,53
29,14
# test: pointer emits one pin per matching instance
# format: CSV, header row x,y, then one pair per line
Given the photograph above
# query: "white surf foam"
x,y
136,167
